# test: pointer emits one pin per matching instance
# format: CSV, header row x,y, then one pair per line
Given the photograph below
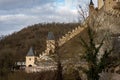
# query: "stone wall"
x,y
39,69
62,41
114,13
109,20
70,35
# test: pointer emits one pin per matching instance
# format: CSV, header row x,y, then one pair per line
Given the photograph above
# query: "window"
x,y
30,65
30,59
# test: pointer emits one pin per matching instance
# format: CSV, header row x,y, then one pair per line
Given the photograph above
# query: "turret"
x,y
30,58
50,43
91,7
91,2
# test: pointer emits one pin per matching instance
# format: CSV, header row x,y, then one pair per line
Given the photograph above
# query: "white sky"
x,y
17,14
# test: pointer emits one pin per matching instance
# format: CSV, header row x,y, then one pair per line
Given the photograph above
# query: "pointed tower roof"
x,y
50,36
91,2
30,52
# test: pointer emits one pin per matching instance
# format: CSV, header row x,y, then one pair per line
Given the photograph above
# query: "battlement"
x,y
61,41
70,35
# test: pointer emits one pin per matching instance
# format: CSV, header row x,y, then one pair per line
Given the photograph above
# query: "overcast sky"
x,y
17,14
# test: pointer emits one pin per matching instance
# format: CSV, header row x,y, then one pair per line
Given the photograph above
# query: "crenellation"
x,y
69,35
66,35
69,32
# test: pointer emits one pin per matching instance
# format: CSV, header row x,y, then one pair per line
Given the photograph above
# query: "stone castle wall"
x,y
62,40
111,20
70,35
39,69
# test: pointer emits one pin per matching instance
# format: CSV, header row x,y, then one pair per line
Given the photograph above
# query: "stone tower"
x,y
50,43
91,8
30,58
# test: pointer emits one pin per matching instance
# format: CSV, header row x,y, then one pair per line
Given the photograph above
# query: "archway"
x,y
30,65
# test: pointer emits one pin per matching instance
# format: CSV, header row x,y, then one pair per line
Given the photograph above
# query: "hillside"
x,y
35,35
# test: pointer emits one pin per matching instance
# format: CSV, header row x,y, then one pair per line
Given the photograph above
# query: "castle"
x,y
50,47
106,8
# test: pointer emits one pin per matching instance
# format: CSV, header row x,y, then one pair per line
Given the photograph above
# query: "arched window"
x,y
30,65
30,59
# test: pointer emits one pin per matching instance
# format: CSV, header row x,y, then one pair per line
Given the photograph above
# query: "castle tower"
x,y
30,58
100,4
50,43
91,8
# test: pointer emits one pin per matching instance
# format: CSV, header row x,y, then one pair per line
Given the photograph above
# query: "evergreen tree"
x,y
59,65
95,66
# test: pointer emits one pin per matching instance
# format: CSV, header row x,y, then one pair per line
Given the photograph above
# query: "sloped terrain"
x,y
35,36
72,48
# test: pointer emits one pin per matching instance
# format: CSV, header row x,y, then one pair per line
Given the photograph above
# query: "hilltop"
x,y
35,36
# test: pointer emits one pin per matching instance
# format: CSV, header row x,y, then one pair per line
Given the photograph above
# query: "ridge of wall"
x,y
69,35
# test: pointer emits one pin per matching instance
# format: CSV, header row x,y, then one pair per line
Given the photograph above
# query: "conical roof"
x,y
30,52
50,36
91,2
